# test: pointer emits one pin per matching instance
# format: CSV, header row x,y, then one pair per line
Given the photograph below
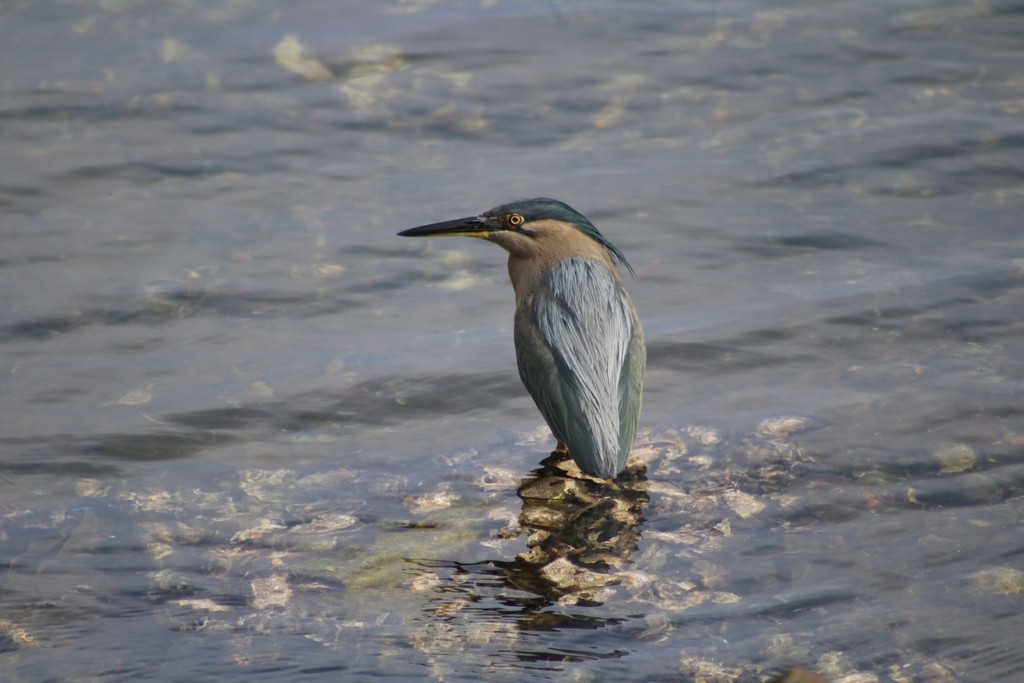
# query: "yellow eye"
x,y
515,220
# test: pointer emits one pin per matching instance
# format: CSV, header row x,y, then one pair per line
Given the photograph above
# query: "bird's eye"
x,y
515,220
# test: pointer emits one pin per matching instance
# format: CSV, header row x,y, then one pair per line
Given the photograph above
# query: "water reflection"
x,y
578,529
579,532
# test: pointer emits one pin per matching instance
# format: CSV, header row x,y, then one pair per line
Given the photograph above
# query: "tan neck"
x,y
531,257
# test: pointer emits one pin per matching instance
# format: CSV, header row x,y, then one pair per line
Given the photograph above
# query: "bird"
x,y
579,342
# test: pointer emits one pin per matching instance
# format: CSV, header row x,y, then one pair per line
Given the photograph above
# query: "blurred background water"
x,y
249,434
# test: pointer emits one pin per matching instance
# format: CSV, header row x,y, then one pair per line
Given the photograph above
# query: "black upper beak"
x,y
474,226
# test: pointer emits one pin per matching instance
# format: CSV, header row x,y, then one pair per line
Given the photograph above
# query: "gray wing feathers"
x,y
631,382
581,356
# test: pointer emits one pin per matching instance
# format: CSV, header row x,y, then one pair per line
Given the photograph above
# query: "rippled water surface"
x,y
250,434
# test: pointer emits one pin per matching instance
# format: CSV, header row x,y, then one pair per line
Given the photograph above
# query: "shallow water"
x,y
248,433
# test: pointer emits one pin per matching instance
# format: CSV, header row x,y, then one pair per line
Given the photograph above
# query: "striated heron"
x,y
579,343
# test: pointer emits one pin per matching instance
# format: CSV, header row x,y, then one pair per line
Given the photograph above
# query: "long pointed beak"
x,y
473,226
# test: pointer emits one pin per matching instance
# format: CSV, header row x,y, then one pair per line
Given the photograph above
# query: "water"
x,y
249,434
